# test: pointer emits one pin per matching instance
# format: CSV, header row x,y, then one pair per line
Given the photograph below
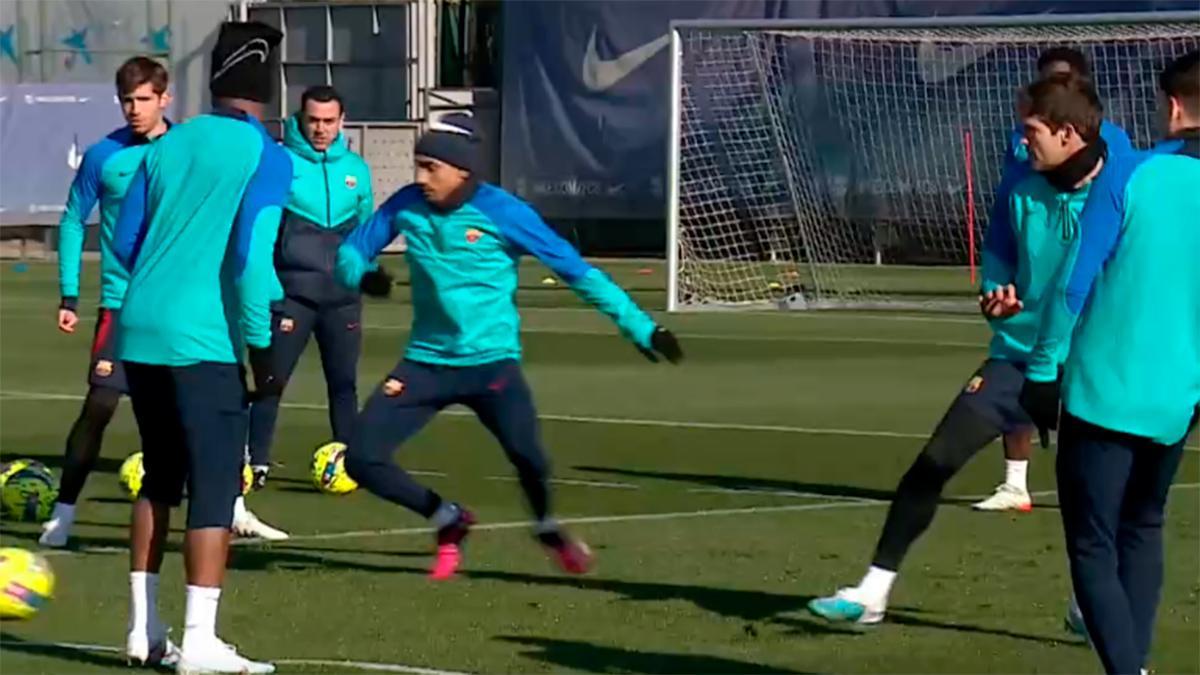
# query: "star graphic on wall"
x,y
77,41
159,40
7,47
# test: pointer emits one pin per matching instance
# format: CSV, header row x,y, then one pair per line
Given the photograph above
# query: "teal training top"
x,y
196,231
1030,251
328,188
1134,289
464,273
103,176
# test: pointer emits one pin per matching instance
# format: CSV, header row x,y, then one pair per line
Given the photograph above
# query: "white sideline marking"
x,y
628,421
845,503
13,395
574,481
356,665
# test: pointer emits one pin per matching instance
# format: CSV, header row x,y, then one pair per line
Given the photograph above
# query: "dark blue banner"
x,y
586,88
44,131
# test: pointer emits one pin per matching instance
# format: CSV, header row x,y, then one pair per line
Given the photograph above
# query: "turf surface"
x,y
806,422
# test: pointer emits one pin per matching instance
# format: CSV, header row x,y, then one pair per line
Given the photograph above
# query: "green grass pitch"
x,y
719,497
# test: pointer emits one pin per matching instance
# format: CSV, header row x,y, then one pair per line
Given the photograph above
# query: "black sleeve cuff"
x,y
69,302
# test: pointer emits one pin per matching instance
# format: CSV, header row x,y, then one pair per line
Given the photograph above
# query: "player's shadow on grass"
x,y
55,461
588,657
905,616
748,605
746,483
78,543
264,557
14,644
784,487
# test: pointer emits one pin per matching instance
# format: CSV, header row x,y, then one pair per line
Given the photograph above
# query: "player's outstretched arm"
x,y
132,220
356,268
254,231
525,229
72,229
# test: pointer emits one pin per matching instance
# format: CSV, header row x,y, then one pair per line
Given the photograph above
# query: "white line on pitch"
x,y
580,520
333,663
13,395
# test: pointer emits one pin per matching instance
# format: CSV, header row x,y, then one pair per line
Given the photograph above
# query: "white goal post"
x,y
853,163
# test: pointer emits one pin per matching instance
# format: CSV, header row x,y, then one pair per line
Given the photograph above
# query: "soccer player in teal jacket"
x,y
1131,385
104,176
1024,257
465,239
196,232
330,195
1013,493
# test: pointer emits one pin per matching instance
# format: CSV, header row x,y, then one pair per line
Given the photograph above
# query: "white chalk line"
x,y
14,395
332,663
834,502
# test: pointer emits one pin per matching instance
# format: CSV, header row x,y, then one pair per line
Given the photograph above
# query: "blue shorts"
x,y
105,370
994,391
192,421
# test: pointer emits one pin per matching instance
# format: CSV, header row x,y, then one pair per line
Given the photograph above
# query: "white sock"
x,y
877,584
200,618
64,514
143,603
445,515
1015,471
239,508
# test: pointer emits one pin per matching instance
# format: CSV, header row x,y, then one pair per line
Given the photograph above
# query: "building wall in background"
x,y
84,41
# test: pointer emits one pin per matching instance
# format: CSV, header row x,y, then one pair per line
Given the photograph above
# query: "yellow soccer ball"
x,y
131,474
329,470
9,468
29,492
26,583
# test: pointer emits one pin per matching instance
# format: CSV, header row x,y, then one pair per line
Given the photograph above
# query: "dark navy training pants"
x,y
413,394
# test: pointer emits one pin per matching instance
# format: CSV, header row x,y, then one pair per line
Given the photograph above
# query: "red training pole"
x,y
970,203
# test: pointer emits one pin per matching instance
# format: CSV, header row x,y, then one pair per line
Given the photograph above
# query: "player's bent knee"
x,y
101,405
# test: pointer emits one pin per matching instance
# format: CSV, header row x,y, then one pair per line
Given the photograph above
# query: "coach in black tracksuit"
x,y
330,194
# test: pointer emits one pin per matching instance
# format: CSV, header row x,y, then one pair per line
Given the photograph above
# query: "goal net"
x,y
820,166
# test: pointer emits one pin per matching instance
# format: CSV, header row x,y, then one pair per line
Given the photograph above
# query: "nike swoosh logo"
x,y
938,64
258,47
603,74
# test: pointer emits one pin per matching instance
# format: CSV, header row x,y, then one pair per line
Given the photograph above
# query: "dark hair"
x,y
1181,80
1062,99
138,71
322,93
1068,55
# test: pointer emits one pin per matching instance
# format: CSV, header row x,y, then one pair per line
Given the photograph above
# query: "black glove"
x,y
1041,401
377,283
664,342
267,381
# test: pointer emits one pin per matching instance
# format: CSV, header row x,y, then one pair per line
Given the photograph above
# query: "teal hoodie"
x,y
328,188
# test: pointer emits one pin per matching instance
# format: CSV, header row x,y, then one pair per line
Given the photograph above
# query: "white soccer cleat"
x,y
214,656
142,650
1006,498
246,524
55,533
